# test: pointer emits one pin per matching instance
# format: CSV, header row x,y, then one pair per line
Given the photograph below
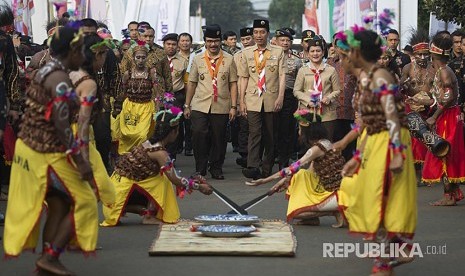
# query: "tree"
x,y
286,13
231,15
450,11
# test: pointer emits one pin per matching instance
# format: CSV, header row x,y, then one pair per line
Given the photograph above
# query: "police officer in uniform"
x,y
306,36
211,100
286,122
457,65
178,66
229,42
243,125
399,59
263,78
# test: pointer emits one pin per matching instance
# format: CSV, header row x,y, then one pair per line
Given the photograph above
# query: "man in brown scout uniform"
x,y
286,122
263,79
243,125
178,66
156,59
212,93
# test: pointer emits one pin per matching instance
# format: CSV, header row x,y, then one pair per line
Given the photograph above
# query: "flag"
x,y
30,6
310,15
338,16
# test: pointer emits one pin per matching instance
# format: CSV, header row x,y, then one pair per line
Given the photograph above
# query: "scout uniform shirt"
x,y
178,66
331,88
201,73
275,65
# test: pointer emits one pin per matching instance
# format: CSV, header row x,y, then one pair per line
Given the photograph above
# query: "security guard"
x,y
242,124
286,122
306,36
212,96
178,66
263,80
229,42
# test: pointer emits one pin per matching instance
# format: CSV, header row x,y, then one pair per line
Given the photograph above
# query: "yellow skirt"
x,y
305,193
376,197
30,177
136,124
158,190
105,188
114,127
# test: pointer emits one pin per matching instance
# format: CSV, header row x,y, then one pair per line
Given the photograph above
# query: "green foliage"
x,y
447,10
231,15
423,16
286,13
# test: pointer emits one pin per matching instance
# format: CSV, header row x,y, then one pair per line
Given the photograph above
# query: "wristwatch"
x,y
186,106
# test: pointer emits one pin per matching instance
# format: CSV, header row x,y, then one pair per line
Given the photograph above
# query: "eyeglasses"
x,y
213,41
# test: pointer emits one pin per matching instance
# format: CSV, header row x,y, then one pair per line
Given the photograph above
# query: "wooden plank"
x,y
272,238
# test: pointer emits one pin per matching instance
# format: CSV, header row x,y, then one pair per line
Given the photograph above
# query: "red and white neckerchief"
x,y
170,59
260,57
317,95
212,64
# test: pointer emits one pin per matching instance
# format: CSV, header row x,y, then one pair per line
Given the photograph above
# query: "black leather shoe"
x,y
253,173
188,153
217,175
241,161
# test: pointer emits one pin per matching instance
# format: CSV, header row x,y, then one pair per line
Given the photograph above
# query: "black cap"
x,y
316,41
282,32
246,31
289,30
170,36
308,34
212,31
408,48
261,23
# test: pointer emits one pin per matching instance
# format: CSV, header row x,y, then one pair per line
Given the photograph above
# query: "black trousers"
x,y
286,129
209,140
185,134
243,135
342,128
261,122
102,133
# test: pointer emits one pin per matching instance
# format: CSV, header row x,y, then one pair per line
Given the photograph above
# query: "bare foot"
x,y
150,220
308,221
52,265
339,220
447,200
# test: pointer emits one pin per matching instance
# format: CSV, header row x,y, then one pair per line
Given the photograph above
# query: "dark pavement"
x,y
125,248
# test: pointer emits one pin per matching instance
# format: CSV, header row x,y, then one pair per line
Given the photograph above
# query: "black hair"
x,y
89,22
88,65
162,128
65,15
419,36
228,34
184,34
133,22
370,45
59,45
314,132
457,33
143,23
393,31
60,22
444,41
6,15
100,24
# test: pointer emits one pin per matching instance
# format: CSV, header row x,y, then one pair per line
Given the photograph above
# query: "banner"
x,y
173,17
310,18
23,11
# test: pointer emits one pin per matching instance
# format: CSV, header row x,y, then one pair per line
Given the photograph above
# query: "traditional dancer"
x,y
382,204
48,165
312,191
149,170
136,117
448,123
95,51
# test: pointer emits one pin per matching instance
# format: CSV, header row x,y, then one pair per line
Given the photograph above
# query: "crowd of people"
x,y
91,119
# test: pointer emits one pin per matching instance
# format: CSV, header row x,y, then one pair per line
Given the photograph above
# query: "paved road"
x,y
125,248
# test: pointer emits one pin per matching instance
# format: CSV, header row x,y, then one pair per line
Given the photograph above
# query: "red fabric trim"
x,y
420,46
307,208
